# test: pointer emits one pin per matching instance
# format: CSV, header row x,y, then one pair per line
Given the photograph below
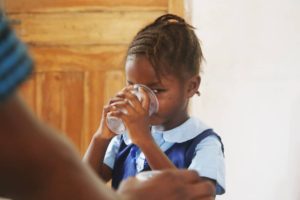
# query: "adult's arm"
x,y
37,163
169,184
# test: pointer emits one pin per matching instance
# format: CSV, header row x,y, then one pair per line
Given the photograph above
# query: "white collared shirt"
x,y
208,160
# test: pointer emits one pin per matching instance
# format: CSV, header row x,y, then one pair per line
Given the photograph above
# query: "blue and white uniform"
x,y
192,145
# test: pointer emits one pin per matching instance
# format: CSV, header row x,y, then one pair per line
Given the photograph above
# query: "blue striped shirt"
x,y
15,62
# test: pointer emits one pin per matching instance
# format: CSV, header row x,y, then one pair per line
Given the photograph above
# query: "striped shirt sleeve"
x,y
15,62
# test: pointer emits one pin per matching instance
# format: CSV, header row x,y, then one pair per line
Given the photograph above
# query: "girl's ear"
x,y
193,86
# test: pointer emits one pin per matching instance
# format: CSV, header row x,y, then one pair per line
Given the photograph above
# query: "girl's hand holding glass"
x,y
133,107
103,131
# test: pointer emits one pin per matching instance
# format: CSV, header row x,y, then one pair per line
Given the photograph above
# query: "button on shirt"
x,y
208,160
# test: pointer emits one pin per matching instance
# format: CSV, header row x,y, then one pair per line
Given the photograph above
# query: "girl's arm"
x,y
95,153
94,156
156,158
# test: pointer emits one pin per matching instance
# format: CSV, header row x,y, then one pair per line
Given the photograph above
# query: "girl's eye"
x,y
157,91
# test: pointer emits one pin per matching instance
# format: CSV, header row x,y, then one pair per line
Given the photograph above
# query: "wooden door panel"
x,y
77,28
54,5
28,91
49,98
82,58
72,106
93,104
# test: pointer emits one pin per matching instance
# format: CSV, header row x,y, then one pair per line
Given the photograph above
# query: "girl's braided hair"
x,y
171,46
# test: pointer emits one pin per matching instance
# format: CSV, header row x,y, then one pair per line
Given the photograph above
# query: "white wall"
x,y
250,92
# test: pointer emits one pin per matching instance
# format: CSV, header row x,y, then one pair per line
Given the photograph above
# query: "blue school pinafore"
x,y
181,155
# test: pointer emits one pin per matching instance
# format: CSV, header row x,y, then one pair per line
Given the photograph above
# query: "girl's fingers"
x,y
109,108
140,102
115,99
133,99
116,113
124,90
120,95
128,94
124,106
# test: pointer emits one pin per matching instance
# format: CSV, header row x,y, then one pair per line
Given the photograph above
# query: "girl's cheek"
x,y
163,99
160,96
161,105
160,101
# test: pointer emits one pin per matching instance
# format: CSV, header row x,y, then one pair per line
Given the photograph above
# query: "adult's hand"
x,y
170,185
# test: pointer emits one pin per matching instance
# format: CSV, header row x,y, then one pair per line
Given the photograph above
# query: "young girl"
x,y
166,57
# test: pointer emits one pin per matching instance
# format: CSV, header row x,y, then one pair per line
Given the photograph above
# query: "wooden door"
x,y
79,48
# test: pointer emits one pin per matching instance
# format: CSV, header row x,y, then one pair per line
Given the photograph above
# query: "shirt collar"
x,y
184,132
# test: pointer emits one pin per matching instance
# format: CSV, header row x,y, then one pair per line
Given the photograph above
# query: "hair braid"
x,y
171,46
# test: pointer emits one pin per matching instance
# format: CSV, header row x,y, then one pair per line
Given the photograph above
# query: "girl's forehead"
x,y
138,62
138,69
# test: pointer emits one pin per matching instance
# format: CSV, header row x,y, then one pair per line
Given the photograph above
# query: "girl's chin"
x,y
154,120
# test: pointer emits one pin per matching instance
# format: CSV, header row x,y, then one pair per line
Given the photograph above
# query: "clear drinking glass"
x,y
117,126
